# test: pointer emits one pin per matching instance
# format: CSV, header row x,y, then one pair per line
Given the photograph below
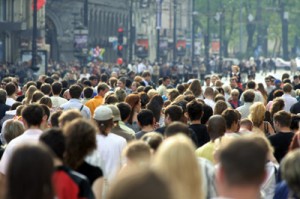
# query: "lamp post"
x,y
174,31
158,27
34,37
207,40
86,13
131,32
193,32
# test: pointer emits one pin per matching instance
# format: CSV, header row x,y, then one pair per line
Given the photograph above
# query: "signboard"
x,y
215,46
42,60
142,48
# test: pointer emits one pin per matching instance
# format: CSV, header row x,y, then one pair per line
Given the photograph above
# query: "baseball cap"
x,y
277,81
102,113
116,112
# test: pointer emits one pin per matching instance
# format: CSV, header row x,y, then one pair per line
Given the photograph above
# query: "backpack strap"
x,y
81,108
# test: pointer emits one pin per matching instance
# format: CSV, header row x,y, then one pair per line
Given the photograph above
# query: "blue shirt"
x,y
76,104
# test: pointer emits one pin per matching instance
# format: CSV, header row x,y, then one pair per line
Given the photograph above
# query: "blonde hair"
x,y
29,94
12,129
257,113
68,116
151,93
176,161
138,152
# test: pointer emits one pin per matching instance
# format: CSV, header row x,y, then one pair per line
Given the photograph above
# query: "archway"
x,y
51,39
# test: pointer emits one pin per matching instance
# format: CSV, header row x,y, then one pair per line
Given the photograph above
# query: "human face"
x,y
120,84
167,82
234,96
133,86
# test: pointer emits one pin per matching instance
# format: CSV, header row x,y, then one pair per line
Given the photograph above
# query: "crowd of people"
x,y
141,134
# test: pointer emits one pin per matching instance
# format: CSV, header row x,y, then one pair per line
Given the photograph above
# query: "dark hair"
x,y
133,100
102,87
15,105
207,113
3,96
75,91
103,78
64,84
49,80
87,83
88,92
155,105
10,88
243,162
111,99
144,99
125,110
145,117
56,88
295,122
46,89
249,96
251,85
46,110
278,93
29,174
283,118
287,88
46,101
39,84
54,118
174,112
33,110
80,141
37,95
194,110
230,117
177,127
104,125
55,140
216,127
180,89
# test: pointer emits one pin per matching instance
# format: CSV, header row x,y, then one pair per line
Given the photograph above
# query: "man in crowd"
x,y
56,100
288,99
162,89
248,98
98,100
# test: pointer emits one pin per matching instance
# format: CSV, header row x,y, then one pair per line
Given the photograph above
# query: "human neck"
x,y
285,130
196,122
148,128
241,192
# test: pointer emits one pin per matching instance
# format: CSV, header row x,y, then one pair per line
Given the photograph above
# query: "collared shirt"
x,y
126,128
162,90
244,109
29,136
289,101
76,104
10,101
92,104
57,101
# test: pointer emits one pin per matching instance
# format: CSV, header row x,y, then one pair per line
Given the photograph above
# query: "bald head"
x,y
216,127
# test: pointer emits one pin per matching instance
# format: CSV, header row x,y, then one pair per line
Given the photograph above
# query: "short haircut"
x,y
68,116
93,77
75,91
295,122
12,129
137,151
88,92
49,80
153,139
125,110
173,93
247,122
251,85
230,117
3,96
209,91
145,117
10,88
54,118
46,88
207,113
278,93
174,112
283,118
165,78
103,78
146,74
56,88
33,110
55,140
249,96
176,128
102,87
243,162
287,88
216,127
194,110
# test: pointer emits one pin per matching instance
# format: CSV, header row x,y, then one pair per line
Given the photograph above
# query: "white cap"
x,y
102,113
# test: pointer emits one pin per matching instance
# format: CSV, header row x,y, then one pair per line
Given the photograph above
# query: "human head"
x,y
103,117
3,96
153,139
80,141
37,95
55,140
232,119
282,119
220,107
216,127
12,129
207,112
102,89
166,81
75,91
177,127
137,153
46,89
194,110
122,83
54,118
175,153
249,96
94,80
173,113
172,94
88,92
155,105
10,89
46,100
68,116
56,88
246,124
257,113
251,85
30,163
125,110
242,163
120,94
29,111
195,87
287,88
145,118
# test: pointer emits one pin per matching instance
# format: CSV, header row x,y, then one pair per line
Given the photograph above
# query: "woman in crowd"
x,y
155,105
174,154
29,94
134,101
29,174
257,116
81,141
195,88
263,91
220,107
234,99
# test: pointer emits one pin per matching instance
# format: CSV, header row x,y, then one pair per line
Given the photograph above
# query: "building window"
x,y
2,10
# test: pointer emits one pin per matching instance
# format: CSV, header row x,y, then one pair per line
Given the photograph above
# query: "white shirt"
x,y
244,110
109,150
10,101
210,103
29,136
76,104
141,67
57,101
289,101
